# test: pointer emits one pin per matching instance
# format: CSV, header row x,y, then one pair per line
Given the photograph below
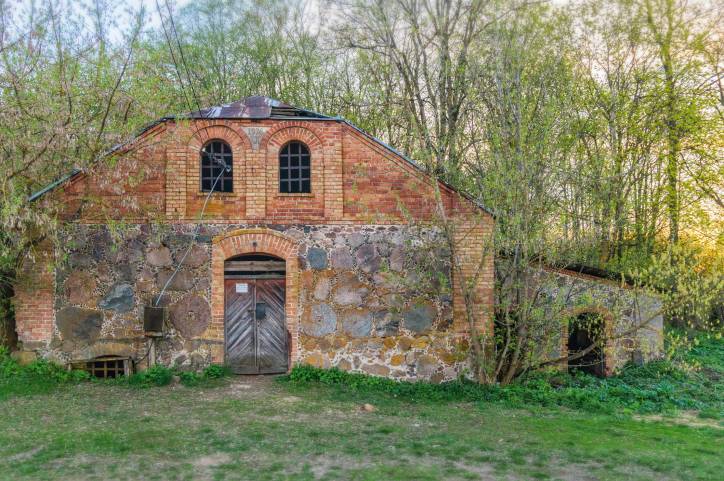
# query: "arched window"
x,y
216,159
294,169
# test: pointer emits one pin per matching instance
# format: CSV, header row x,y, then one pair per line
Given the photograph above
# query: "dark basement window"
x,y
214,155
105,367
295,169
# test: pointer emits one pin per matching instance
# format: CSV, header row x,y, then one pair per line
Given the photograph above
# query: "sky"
x,y
123,10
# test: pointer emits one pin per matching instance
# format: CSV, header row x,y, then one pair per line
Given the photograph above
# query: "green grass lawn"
x,y
655,422
258,429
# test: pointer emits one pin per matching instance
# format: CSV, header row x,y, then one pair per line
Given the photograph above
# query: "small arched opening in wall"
x,y
256,337
589,333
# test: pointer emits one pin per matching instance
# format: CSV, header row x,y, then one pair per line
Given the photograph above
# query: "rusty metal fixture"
x,y
154,318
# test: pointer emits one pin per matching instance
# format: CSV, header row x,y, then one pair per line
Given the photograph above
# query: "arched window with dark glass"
x,y
294,169
216,160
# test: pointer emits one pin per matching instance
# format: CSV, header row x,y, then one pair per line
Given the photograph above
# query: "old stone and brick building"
x,y
316,245
309,250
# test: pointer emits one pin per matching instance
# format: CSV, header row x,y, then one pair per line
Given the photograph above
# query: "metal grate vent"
x,y
105,367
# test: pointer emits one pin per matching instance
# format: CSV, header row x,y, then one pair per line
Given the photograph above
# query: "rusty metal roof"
x,y
254,107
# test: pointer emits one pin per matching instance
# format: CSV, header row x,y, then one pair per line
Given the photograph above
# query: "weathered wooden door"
x,y
256,333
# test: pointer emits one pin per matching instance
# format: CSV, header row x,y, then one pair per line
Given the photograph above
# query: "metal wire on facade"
x,y
225,168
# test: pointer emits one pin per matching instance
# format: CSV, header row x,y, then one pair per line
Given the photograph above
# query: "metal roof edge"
x,y
279,117
53,185
135,136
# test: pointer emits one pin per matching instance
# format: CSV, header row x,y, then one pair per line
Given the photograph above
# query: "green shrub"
x,y
215,371
8,366
210,373
190,378
40,376
156,375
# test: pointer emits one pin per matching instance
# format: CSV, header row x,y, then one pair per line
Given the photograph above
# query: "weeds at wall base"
x,y
656,387
43,376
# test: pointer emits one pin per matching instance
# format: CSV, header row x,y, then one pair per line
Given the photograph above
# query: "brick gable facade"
x,y
356,218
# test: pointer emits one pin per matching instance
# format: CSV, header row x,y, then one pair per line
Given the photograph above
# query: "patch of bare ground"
x,y
25,455
484,472
323,466
574,472
239,387
204,465
684,418
93,467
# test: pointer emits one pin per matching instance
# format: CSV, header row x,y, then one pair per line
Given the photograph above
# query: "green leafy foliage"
x,y
38,377
157,375
42,376
656,387
210,374
216,371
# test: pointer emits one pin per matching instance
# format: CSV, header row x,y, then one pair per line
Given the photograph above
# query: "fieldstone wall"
x,y
623,308
104,278
372,298
377,299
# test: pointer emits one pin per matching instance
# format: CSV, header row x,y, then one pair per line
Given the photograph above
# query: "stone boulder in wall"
x,y
191,315
119,298
357,323
320,321
79,287
79,325
419,318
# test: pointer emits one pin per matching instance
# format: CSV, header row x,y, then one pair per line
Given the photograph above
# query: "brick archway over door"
x,y
256,241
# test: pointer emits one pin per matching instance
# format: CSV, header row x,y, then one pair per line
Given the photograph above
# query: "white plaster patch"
x,y
255,135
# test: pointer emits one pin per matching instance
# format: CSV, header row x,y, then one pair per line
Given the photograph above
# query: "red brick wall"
x,y
474,253
354,179
130,185
34,298
378,183
256,175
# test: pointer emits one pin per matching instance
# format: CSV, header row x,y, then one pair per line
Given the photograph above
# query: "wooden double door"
x,y
255,326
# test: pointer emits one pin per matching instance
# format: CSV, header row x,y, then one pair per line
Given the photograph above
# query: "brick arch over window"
x,y
285,132
608,323
238,140
252,241
239,144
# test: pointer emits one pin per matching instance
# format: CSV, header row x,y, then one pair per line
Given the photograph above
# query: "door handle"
x,y
260,310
